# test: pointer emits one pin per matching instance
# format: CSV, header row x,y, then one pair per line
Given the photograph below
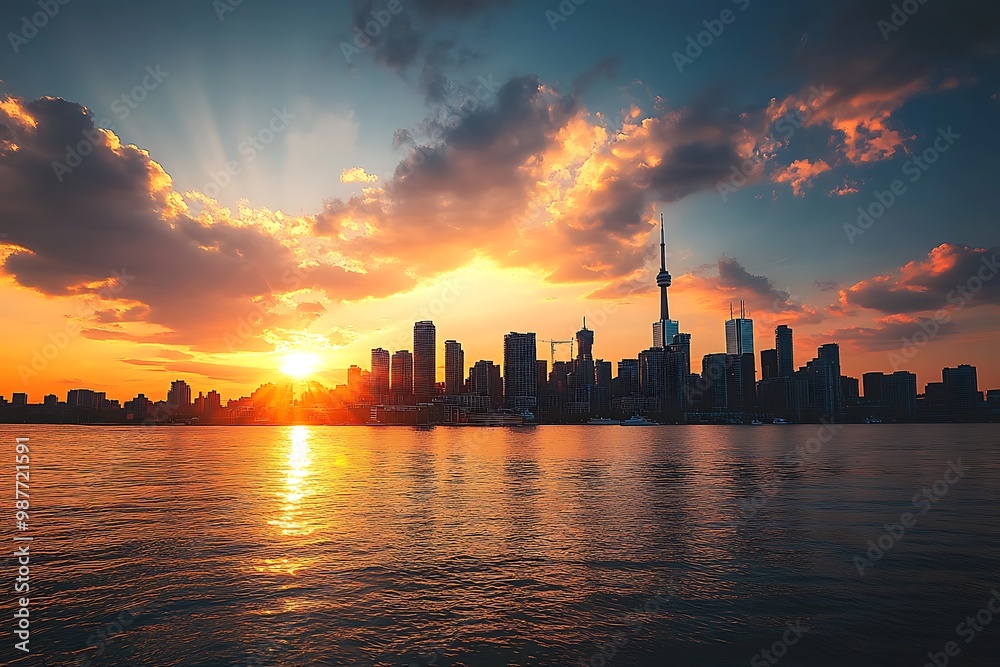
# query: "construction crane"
x,y
553,343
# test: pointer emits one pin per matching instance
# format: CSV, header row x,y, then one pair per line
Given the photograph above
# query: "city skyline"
x,y
227,215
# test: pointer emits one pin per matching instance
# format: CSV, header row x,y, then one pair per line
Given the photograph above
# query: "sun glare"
x,y
299,365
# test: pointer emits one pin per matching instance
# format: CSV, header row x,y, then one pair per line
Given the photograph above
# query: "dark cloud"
x,y
891,333
113,228
950,276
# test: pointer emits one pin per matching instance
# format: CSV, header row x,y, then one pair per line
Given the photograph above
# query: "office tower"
x,y
662,378
454,367
664,329
380,374
81,398
786,355
584,343
714,383
628,377
424,361
541,373
50,401
179,395
899,393
213,403
741,392
484,380
354,379
961,387
768,364
851,387
402,374
871,383
18,399
817,392
519,374
739,333
366,384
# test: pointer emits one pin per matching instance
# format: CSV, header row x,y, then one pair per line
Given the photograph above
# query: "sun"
x,y
299,365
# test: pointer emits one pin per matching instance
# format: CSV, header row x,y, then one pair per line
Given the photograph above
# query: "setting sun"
x,y
299,365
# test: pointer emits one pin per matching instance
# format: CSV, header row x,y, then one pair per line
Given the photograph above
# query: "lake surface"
x,y
557,545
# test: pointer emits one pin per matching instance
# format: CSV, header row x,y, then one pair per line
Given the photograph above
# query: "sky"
x,y
197,190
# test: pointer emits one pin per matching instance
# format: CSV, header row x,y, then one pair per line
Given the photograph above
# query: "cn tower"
x,y
665,328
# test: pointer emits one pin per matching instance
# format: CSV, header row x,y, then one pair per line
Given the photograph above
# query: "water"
x,y
479,547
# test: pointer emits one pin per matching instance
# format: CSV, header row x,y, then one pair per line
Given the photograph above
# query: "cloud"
x,y
114,224
800,173
949,276
357,175
889,333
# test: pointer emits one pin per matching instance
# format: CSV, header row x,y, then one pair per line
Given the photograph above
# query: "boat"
x,y
756,422
871,420
603,421
638,420
779,420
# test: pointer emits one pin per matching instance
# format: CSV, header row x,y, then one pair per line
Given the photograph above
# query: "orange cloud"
x,y
800,173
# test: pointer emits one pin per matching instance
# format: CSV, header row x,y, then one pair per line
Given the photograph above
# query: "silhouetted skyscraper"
x,y
424,360
768,364
179,395
454,367
584,343
402,374
519,374
961,387
484,380
786,354
739,333
380,374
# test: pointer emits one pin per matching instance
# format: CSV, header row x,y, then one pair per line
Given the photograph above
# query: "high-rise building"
x,y
786,354
179,395
899,393
714,383
871,383
817,391
484,380
454,368
961,387
81,398
664,329
519,375
354,380
402,374
584,343
380,374
628,377
424,361
851,387
768,364
739,333
19,399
